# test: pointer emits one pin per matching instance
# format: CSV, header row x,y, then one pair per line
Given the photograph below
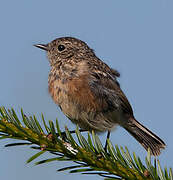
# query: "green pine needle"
x,y
88,153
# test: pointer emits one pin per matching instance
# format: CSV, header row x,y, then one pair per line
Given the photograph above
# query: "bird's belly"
x,y
82,112
90,120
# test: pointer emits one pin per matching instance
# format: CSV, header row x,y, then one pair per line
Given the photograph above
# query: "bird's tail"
x,y
145,137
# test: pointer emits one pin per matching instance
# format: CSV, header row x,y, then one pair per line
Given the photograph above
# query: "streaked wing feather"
x,y
108,89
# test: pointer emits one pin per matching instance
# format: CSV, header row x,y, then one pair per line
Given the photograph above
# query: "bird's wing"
x,y
108,89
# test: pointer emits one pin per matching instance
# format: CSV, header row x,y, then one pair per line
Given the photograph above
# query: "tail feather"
x,y
145,137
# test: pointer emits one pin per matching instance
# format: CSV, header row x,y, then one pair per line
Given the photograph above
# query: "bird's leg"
x,y
71,132
108,136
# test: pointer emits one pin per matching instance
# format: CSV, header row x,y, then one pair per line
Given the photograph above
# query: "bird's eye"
x,y
61,47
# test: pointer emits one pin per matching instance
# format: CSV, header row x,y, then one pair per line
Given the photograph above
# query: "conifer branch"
x,y
88,153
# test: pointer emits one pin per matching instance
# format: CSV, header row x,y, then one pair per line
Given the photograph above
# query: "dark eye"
x,y
61,47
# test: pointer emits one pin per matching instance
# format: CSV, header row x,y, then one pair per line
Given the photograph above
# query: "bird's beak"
x,y
42,46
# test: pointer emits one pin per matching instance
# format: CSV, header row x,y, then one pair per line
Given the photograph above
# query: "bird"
x,y
87,91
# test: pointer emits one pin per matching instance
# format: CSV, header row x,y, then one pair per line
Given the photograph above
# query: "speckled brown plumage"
x,y
87,91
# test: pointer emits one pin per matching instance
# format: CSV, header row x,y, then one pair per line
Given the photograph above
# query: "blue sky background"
x,y
134,37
